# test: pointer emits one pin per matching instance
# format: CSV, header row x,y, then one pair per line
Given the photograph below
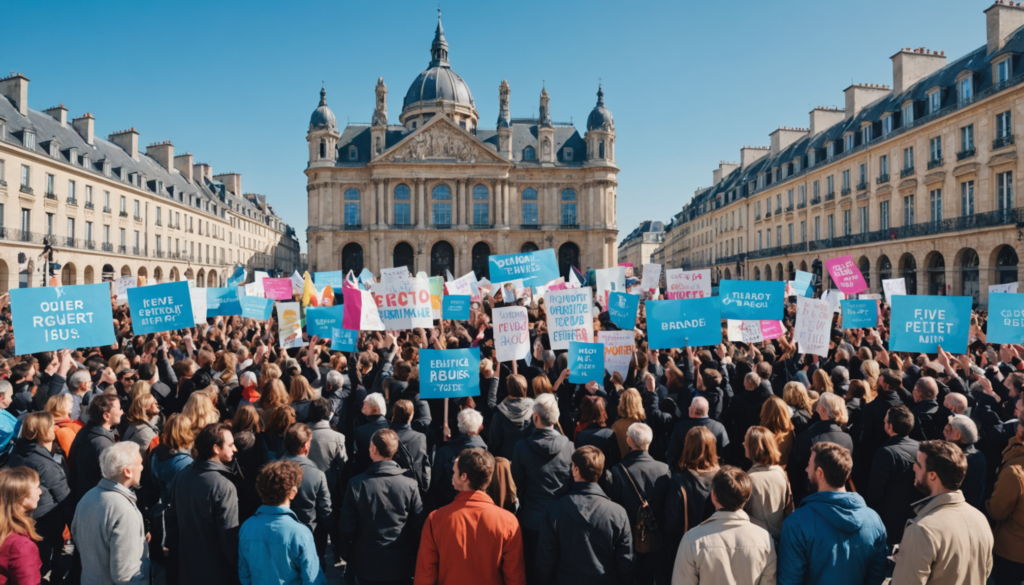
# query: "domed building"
x,y
438,192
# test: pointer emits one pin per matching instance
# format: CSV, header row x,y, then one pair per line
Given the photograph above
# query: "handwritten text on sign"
x,y
511,333
813,325
449,373
586,362
404,304
683,284
569,317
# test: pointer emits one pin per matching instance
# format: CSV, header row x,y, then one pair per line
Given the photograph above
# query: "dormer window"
x,y
887,123
106,167
3,131
1003,70
964,90
849,142
353,153
830,150
908,114
529,153
30,140
866,134
86,162
934,101
567,154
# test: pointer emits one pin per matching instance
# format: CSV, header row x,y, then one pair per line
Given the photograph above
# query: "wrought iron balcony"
x,y
16,235
935,162
789,208
817,200
846,191
529,226
106,209
138,217
89,205
906,172
883,178
757,217
123,213
801,205
1002,141
442,226
862,185
72,201
831,195
352,227
966,153
570,226
51,196
107,247
26,189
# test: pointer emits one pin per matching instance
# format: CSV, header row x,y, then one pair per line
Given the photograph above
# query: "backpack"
x,y
646,537
404,460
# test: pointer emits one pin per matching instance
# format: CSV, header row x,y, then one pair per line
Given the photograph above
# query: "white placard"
x,y
813,325
834,297
511,333
651,278
893,286
462,286
687,284
394,274
870,297
198,296
569,316
259,276
752,332
123,284
618,350
404,304
298,283
610,280
1010,287
734,330
251,290
289,325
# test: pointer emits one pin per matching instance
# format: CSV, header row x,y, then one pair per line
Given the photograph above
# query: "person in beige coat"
x,y
771,499
949,542
726,549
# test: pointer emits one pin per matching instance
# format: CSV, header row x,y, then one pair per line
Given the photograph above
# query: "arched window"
x,y
481,209
353,153
378,145
568,258
352,204
352,258
569,208
865,268
937,275
908,272
884,268
323,149
567,154
403,205
528,247
529,206
529,153
969,276
1006,265
442,207
600,150
481,252
403,256
442,258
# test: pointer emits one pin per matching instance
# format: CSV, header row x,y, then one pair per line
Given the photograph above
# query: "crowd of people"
x,y
213,456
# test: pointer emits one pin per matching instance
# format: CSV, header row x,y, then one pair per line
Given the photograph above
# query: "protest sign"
x,y
734,330
289,325
834,297
622,310
586,362
813,326
279,289
123,284
511,333
320,320
618,350
360,311
1006,318
893,287
534,268
61,317
250,290
297,283
198,298
237,277
859,314
921,323
161,307
610,280
752,300
436,292
872,297
366,277
222,302
752,332
678,323
449,373
846,275
651,277
455,307
683,284
393,274
1010,287
569,316
461,286
506,291
343,339
259,277
257,308
334,279
771,330
404,304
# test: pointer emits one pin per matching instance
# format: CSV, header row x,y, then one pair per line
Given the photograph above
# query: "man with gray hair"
x,y
956,403
470,424
79,385
373,409
963,432
109,531
698,414
542,473
640,481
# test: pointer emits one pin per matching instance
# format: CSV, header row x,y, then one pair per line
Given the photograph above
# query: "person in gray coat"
x,y
108,528
327,452
511,421
412,448
312,505
205,511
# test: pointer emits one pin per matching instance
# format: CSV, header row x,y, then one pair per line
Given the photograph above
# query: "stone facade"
x,y
638,247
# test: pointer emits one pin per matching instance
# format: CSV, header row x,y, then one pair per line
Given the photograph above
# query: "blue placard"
x,y
586,362
752,300
335,279
858,314
222,302
61,317
1005,318
320,320
449,373
921,323
343,339
622,309
366,276
256,308
455,307
676,323
160,307
237,278
534,268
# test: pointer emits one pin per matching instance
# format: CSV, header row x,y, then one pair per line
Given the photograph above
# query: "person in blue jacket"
x,y
833,537
9,424
273,546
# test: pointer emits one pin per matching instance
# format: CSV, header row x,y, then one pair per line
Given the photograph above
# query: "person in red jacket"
x,y
471,540
19,555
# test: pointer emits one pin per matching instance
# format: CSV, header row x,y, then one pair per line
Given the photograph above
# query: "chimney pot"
x,y
86,127
15,87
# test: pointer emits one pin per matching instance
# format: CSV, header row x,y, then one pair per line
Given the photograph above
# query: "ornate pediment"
x,y
440,141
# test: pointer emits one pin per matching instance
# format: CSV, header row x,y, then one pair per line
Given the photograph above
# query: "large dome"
x,y
438,83
323,117
600,117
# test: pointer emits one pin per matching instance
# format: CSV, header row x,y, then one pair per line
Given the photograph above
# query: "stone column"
x,y
499,204
511,205
421,215
492,203
378,187
387,210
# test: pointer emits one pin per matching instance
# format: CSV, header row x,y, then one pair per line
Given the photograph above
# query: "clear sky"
x,y
688,82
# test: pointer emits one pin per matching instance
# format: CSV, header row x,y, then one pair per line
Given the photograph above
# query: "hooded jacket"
x,y
834,538
444,465
511,423
542,472
585,538
275,547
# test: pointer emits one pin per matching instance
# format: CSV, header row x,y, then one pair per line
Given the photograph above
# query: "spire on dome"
x,y
600,96
439,48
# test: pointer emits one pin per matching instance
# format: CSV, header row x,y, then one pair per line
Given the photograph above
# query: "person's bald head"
x,y
957,403
699,407
926,389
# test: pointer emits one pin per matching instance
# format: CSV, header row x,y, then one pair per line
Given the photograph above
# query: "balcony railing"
x,y
482,226
529,226
768,213
106,209
862,186
935,162
966,153
26,189
89,205
801,205
570,226
157,223
883,178
846,191
906,172
789,209
16,235
817,200
442,226
51,196
757,217
123,213
107,247
138,217
1002,141
351,227
72,201
830,196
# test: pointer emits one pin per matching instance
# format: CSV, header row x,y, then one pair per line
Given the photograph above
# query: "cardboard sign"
x,y
569,317
771,330
893,287
846,275
534,268
462,286
692,284
278,289
404,304
1010,287
198,298
321,320
360,311
511,333
921,323
259,277
257,308
1006,318
813,326
610,280
61,317
693,322
161,307
334,279
622,309
752,300
455,307
752,332
651,277
859,314
250,290
289,325
586,362
618,350
222,302
343,339
734,330
449,373
835,298
366,277
394,274
871,297
123,284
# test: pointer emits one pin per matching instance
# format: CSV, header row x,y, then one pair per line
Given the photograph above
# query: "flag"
x,y
309,296
582,280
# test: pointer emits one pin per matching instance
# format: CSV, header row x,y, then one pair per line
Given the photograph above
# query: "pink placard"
x,y
279,289
771,330
846,275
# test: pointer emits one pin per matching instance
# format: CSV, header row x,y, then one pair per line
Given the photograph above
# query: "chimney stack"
x,y
785,136
162,153
723,170
128,140
15,88
750,154
859,95
202,171
183,162
911,65
59,113
86,126
823,118
232,182
1001,19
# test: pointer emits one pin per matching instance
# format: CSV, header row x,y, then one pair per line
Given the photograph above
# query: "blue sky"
x,y
689,83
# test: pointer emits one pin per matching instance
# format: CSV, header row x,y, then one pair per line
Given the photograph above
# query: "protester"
x,y
630,411
412,449
688,501
698,417
511,422
312,504
831,411
59,407
173,454
470,423
373,410
1006,508
770,499
19,496
142,419
776,418
327,452
963,432
104,414
891,490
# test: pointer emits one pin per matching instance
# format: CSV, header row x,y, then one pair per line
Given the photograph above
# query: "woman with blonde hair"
x,y
771,499
143,415
821,382
631,410
540,385
170,456
59,406
118,362
870,370
200,411
689,494
139,388
301,395
800,406
19,555
776,418
272,395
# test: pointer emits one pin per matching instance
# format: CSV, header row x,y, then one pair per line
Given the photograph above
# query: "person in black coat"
x,y
511,421
891,489
639,475
929,417
593,430
382,516
688,502
373,409
84,456
745,410
962,431
412,447
470,424
586,538
872,434
831,410
698,417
